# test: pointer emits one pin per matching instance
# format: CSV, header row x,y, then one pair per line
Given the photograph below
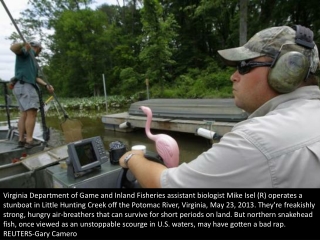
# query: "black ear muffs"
x,y
289,70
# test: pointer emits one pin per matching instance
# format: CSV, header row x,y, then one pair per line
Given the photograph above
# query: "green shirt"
x,y
25,68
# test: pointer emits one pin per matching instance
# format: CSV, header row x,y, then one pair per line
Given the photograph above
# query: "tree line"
x,y
169,45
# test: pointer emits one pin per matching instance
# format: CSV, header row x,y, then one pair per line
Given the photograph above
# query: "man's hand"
x,y
50,88
27,46
134,152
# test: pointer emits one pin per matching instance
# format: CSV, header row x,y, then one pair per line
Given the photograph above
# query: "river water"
x,y
190,145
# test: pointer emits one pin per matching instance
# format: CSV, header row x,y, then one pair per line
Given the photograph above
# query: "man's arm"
x,y
47,86
17,47
147,172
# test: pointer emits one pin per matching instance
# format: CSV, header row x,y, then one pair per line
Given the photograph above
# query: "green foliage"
x,y
130,81
95,103
199,84
157,36
172,43
81,39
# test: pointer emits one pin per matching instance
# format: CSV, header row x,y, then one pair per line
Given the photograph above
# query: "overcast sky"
x,y
7,58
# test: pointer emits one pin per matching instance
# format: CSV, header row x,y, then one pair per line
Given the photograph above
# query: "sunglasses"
x,y
245,67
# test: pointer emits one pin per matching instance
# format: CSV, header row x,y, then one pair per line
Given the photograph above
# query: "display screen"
x,y
86,153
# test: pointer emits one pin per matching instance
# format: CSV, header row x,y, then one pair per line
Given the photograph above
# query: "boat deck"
x,y
9,150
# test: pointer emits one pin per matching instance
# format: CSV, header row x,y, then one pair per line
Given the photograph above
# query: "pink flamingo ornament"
x,y
166,146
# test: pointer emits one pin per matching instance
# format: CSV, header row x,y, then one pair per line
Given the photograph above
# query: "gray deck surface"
x,y
199,109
